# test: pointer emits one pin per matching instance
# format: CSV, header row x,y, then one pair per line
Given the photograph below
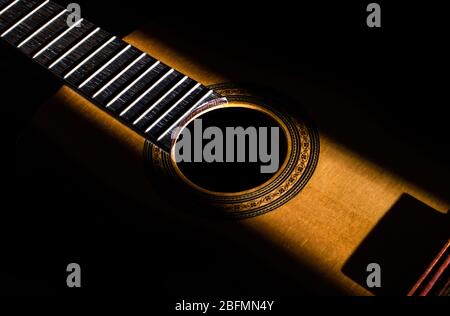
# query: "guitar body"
x,y
318,209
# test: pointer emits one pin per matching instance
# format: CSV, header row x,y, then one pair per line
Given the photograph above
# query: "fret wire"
x,y
57,38
8,6
160,99
90,57
104,66
147,91
73,48
173,107
186,113
79,46
119,75
41,28
133,83
24,18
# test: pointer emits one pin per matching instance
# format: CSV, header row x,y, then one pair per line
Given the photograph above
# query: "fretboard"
x,y
143,93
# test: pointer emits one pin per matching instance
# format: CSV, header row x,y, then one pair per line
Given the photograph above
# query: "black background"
x,y
49,217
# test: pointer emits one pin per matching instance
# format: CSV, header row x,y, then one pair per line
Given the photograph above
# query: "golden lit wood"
x,y
321,227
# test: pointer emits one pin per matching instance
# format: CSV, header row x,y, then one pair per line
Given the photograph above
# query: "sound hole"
x,y
216,162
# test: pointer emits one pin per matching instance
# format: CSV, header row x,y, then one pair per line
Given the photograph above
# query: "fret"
x,y
94,61
15,12
145,76
173,107
151,93
184,106
74,55
43,27
152,109
26,17
102,68
112,72
5,3
145,94
166,132
193,100
4,6
46,35
34,24
65,42
115,86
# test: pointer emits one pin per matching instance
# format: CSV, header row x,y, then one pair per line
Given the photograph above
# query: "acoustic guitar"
x,y
332,211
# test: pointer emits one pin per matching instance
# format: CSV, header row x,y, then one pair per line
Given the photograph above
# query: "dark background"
x,y
49,217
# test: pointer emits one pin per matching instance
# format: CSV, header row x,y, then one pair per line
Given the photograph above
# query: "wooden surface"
x,y
319,230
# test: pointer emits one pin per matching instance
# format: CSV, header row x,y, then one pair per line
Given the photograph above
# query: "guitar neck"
x,y
145,94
